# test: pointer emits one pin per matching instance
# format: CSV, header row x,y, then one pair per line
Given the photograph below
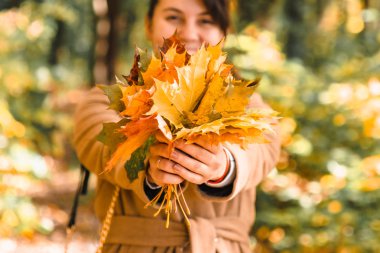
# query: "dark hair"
x,y
218,9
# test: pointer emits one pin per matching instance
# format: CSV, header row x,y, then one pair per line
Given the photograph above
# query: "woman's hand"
x,y
160,169
197,163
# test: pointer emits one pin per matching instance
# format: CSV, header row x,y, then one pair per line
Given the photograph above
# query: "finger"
x,y
174,168
188,175
166,165
203,143
159,173
190,163
161,178
191,150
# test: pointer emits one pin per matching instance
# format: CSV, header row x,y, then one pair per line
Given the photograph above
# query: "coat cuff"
x,y
231,174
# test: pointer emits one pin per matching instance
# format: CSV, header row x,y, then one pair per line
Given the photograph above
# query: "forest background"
x,y
319,63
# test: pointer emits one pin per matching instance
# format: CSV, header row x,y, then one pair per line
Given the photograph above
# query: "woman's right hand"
x,y
160,171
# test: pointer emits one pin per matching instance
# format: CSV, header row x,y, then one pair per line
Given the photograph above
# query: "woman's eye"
x,y
172,18
206,21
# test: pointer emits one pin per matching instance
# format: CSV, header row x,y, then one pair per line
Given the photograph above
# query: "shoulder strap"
x,y
81,190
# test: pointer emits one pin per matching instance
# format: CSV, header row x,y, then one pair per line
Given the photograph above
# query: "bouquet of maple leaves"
x,y
183,96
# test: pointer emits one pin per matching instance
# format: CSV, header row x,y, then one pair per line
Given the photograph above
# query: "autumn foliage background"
x,y
320,67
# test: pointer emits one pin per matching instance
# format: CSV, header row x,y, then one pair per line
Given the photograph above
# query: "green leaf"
x,y
145,59
109,135
136,163
114,94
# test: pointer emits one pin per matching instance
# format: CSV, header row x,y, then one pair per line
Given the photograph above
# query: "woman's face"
x,y
190,18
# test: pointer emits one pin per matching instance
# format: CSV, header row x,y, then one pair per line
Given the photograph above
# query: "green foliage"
x,y
145,58
324,193
37,75
137,161
114,94
110,135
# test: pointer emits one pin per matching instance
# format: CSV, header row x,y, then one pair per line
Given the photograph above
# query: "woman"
x,y
220,180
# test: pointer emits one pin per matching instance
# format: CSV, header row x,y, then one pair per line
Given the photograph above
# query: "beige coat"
x,y
218,224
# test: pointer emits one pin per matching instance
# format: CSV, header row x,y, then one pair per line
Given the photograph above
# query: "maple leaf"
x,y
173,55
175,42
110,135
164,128
114,94
215,90
195,78
217,59
136,132
145,59
137,101
172,99
234,100
163,103
153,71
184,97
172,58
136,163
133,77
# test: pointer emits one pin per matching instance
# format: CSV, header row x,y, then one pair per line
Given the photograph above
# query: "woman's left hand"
x,y
198,162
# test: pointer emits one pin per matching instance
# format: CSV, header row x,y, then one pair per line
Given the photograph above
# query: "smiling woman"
x,y
219,179
195,22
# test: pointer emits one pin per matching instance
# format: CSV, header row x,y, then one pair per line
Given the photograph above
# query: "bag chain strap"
x,y
107,221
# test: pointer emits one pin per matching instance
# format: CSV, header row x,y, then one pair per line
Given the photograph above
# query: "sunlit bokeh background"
x,y
319,63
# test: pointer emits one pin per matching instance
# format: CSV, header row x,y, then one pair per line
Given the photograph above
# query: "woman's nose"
x,y
188,31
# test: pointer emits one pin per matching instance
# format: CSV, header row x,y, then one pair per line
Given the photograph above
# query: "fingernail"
x,y
174,155
176,167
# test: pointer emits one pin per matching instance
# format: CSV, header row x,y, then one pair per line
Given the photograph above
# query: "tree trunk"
x,y
106,13
8,4
294,46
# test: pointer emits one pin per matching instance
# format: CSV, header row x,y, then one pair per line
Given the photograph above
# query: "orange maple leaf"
x,y
137,101
137,132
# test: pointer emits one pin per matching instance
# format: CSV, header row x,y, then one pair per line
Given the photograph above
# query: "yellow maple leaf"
x,y
154,70
164,104
215,90
234,100
217,59
172,99
172,59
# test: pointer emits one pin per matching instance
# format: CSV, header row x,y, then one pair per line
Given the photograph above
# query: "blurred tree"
x,y
325,82
40,64
6,4
106,13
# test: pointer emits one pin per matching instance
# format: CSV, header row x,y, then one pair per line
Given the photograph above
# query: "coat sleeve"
x,y
89,117
253,163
